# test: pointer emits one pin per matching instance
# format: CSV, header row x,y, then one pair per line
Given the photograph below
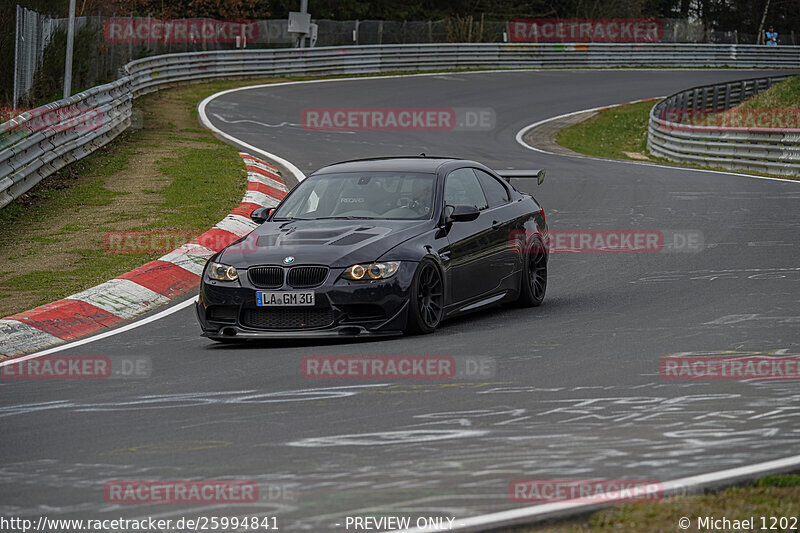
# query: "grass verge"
x,y
621,132
167,173
785,94
771,496
617,132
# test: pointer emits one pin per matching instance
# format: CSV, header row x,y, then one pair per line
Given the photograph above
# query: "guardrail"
x,y
674,135
35,144
38,142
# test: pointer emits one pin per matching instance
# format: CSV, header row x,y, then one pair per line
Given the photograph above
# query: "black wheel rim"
x,y
537,269
430,296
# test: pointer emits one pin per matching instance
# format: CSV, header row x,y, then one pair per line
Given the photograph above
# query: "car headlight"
x,y
372,271
222,272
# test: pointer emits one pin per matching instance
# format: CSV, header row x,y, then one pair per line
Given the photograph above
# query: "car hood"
x,y
336,243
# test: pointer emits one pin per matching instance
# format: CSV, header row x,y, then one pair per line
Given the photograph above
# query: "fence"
x,y
149,73
748,140
32,34
35,144
99,55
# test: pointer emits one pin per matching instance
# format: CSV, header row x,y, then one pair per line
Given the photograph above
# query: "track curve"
x,y
576,393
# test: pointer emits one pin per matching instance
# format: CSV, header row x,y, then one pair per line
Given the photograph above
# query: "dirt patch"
x,y
637,155
62,223
543,136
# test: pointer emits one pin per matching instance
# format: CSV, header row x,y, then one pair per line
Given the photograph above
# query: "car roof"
x,y
378,164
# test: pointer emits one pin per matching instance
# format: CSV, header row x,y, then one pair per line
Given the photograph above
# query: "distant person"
x,y
772,37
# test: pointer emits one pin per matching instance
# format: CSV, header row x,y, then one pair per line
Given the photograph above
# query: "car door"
x,y
468,272
503,261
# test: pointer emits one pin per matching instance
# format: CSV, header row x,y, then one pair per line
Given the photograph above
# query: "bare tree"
x,y
761,25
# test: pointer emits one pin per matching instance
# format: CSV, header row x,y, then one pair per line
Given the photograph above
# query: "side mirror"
x,y
261,214
463,213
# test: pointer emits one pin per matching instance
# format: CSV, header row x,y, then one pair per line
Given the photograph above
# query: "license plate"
x,y
278,299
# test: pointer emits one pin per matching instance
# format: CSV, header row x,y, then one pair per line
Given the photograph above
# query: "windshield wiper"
x,y
345,218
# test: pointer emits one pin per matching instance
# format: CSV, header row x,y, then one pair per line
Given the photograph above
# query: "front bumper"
x,y
343,308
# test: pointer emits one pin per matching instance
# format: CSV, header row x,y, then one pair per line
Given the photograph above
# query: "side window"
x,y
496,193
462,188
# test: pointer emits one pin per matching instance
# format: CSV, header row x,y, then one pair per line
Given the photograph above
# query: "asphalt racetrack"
x,y
574,391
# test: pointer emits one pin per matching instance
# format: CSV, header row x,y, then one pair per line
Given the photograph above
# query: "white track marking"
x,y
519,137
236,224
531,512
189,256
298,174
201,110
408,436
21,335
247,120
121,297
563,508
254,176
260,198
493,518
255,162
87,340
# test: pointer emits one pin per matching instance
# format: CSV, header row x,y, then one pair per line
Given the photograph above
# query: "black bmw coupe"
x,y
379,247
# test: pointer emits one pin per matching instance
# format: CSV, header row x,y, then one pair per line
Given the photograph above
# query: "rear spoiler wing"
x,y
508,174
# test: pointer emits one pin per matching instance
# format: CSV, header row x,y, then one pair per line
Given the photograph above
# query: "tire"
x,y
426,305
533,282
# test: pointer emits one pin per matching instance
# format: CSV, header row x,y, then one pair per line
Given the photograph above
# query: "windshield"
x,y
381,195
